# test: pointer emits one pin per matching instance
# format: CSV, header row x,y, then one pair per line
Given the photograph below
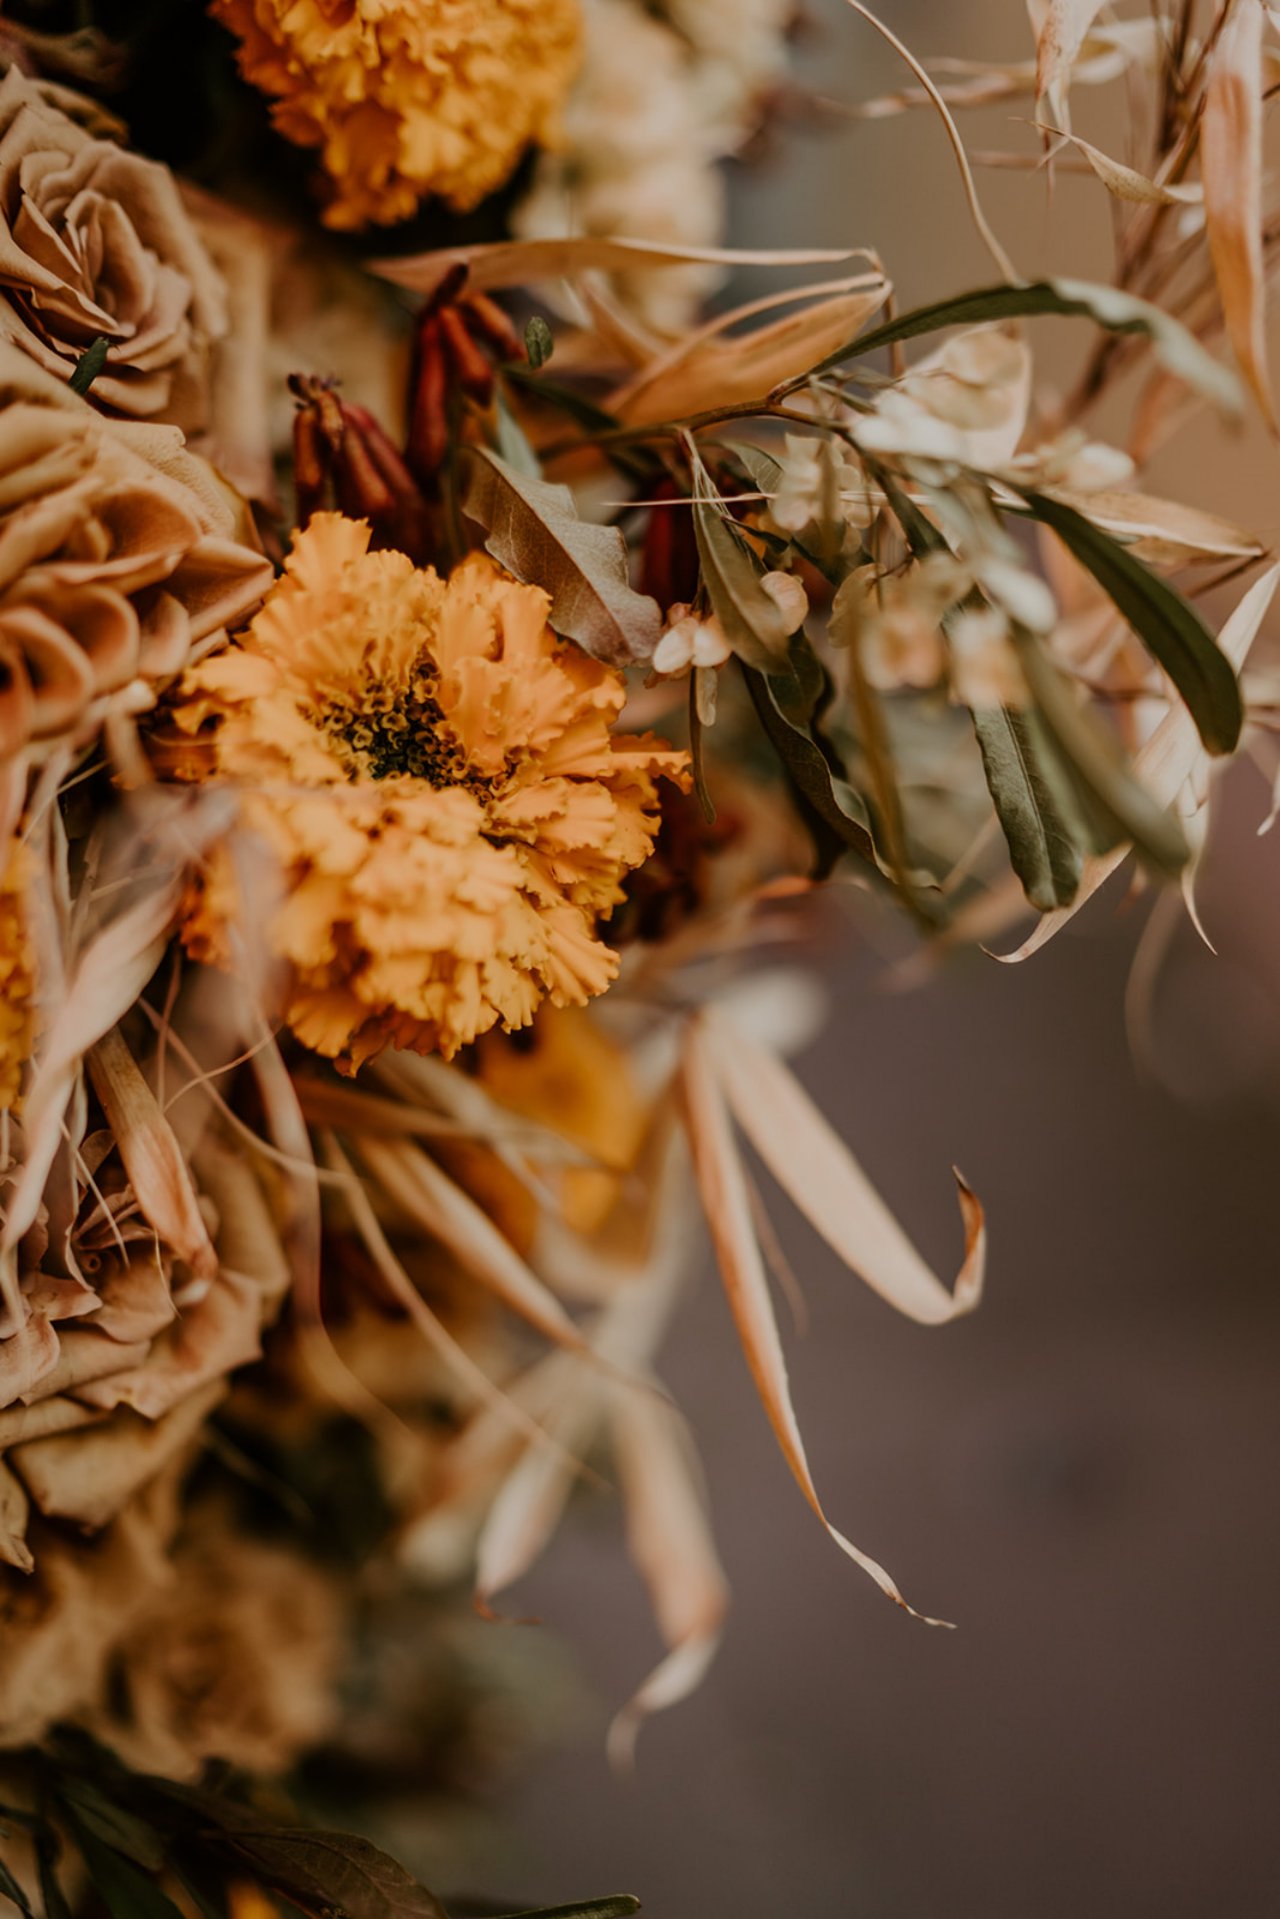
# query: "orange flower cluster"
x,y
434,773
409,97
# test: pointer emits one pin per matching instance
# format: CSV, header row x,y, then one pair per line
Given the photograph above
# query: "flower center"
x,y
388,733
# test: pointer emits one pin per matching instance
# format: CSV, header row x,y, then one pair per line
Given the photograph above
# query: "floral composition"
x,y
442,665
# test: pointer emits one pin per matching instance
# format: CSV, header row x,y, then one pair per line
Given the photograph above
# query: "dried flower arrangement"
x,y
434,678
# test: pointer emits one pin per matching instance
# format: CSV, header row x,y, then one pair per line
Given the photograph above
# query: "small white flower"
x,y
690,642
985,671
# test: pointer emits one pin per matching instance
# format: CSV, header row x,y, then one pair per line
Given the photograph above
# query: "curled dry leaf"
x,y
670,1541
727,1203
153,1158
1126,183
1164,764
1059,39
533,529
1231,168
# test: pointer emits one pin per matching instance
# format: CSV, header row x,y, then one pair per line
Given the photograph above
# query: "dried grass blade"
x,y
813,1165
1231,168
442,1209
153,1159
723,1186
511,263
670,1543
1163,764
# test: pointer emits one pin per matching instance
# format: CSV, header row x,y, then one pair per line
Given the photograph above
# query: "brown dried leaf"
x,y
670,1542
1126,183
726,1200
514,263
1058,41
813,1165
1231,168
153,1159
1163,532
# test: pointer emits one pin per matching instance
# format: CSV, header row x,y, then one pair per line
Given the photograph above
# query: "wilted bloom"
x,y
691,640
95,243
408,97
434,773
985,671
967,403
339,447
821,486
118,555
459,337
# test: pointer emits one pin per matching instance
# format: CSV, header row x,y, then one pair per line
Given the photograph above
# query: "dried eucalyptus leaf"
x,y
1035,814
533,529
1170,629
335,1875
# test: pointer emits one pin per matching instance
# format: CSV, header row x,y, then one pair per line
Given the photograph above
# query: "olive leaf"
x,y
124,1888
533,529
1039,823
1170,628
1116,804
1112,309
785,703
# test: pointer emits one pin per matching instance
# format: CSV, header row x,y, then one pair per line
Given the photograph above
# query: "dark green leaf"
x,y
1171,630
538,342
335,1875
112,1824
784,706
89,365
1036,815
125,1890
51,1893
1114,797
12,1891
533,529
618,1905
1118,312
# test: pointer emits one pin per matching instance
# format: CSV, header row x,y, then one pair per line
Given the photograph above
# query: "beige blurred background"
x,y
1083,1476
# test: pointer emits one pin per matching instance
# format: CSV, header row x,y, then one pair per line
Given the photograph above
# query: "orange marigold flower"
x,y
434,771
409,97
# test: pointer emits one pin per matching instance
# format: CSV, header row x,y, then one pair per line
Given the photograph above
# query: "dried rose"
x,y
119,553
95,243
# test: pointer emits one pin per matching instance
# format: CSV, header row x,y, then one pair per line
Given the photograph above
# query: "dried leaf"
x,y
1126,183
1231,168
1061,36
815,1168
670,1542
726,1200
754,624
153,1159
1164,763
707,370
1163,532
517,263
442,1209
334,1875
533,529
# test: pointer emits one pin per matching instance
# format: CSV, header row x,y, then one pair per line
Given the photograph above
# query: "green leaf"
x,y
334,1875
785,705
538,341
89,365
1170,629
697,732
1112,309
51,1893
754,625
617,1905
125,1831
1036,816
11,1890
1113,797
533,529
125,1890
